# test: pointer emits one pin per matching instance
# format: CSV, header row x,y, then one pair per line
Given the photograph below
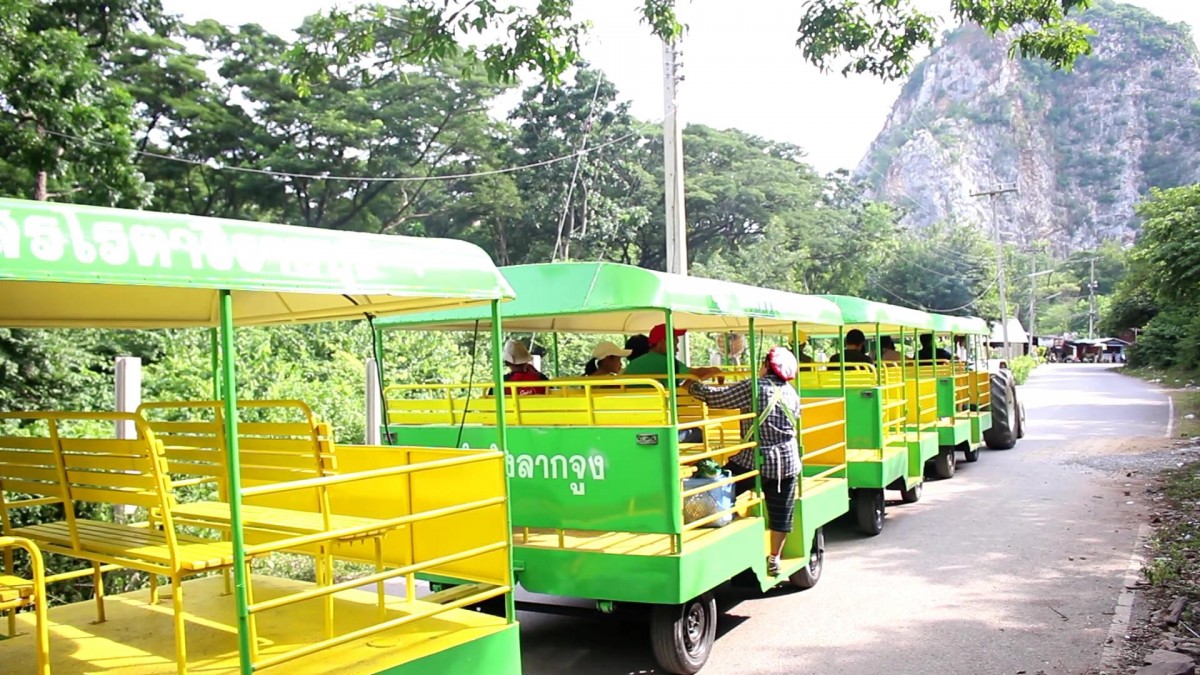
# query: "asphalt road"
x,y
1013,566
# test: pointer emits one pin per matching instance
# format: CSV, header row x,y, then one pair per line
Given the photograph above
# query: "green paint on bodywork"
x,y
655,579
593,297
878,473
497,653
980,421
954,431
307,273
623,479
674,579
945,397
921,451
865,314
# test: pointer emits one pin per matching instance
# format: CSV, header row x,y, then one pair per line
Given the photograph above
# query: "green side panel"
x,y
622,479
980,422
495,654
877,473
921,451
813,511
952,434
864,415
661,579
945,396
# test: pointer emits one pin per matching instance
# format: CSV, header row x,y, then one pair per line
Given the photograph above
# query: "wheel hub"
x,y
695,626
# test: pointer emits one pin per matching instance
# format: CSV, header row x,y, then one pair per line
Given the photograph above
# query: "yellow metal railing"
x,y
594,401
25,593
486,460
962,392
823,437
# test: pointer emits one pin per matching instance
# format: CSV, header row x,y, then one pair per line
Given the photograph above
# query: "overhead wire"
x,y
214,165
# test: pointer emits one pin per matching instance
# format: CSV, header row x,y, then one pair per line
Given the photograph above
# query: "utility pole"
x,y
1000,278
1092,300
677,259
1033,304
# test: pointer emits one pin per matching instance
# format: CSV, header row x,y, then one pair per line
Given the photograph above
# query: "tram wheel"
x,y
809,576
683,635
970,453
868,511
944,464
912,495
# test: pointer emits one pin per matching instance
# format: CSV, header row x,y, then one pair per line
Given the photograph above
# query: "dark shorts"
x,y
778,494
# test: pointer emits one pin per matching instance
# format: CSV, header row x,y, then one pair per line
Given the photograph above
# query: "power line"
x,y
214,165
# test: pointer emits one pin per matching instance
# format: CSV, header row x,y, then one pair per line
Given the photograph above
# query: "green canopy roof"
x,y
599,297
866,314
68,265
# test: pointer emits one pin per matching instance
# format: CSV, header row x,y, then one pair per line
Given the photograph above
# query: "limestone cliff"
x,y
1082,147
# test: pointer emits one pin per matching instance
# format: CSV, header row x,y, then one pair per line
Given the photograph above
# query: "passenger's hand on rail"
x,y
706,373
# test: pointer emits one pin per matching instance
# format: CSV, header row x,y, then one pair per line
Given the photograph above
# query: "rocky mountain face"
x,y
1082,147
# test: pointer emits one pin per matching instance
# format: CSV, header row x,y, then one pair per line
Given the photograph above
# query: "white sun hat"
x,y
516,353
606,349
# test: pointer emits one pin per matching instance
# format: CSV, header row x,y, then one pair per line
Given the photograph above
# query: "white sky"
x,y
740,62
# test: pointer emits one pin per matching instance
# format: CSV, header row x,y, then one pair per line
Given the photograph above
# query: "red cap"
x,y
782,362
659,333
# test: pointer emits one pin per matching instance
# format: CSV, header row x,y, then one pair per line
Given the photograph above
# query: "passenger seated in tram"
x,y
637,345
778,440
654,362
928,353
888,351
800,355
606,360
520,368
855,350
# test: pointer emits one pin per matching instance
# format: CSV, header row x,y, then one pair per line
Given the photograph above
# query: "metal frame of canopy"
x,y
65,265
609,298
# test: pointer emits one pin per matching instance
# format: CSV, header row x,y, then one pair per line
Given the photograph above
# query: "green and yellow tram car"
x,y
277,484
602,470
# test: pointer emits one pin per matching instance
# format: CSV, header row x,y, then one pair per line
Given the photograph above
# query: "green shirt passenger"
x,y
654,362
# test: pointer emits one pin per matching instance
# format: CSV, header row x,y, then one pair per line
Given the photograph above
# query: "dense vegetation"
x,y
1161,293
378,120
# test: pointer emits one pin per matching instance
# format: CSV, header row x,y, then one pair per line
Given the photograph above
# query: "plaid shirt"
x,y
777,435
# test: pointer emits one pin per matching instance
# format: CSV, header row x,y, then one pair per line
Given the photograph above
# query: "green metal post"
x,y
672,397
554,338
510,608
878,356
842,361
229,398
377,345
796,351
755,359
215,350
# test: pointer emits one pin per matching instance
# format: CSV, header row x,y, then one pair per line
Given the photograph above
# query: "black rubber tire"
x,y
808,577
1002,436
912,495
869,510
970,452
683,635
945,464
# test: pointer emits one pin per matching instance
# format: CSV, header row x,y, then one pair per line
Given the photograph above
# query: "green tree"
x,y
65,127
877,36
944,268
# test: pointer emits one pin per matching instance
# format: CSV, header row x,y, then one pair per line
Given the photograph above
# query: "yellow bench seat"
x,y
13,588
272,519
131,545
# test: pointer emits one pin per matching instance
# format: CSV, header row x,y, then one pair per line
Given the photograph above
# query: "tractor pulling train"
x,y
578,487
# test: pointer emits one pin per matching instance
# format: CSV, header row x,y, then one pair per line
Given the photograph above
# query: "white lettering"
x,y
114,245
46,240
10,236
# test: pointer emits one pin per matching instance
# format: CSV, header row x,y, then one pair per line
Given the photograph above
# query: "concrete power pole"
x,y
1000,272
677,259
1092,301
